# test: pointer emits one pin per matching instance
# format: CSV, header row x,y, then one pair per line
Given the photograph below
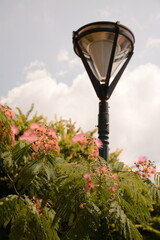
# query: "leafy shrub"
x,y
55,186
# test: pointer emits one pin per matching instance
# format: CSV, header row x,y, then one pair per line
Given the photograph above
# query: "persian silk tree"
x,y
55,186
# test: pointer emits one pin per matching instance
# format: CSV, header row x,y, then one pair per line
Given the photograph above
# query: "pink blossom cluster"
x,y
145,167
4,131
15,129
37,203
89,184
113,188
9,114
102,171
7,111
82,205
42,138
84,140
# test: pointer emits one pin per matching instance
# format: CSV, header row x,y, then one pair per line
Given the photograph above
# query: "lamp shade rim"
x,y
103,26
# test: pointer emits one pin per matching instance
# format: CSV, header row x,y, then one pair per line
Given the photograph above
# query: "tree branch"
x,y
13,184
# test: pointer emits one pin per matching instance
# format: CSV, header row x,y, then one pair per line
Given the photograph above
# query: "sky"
x,y
38,65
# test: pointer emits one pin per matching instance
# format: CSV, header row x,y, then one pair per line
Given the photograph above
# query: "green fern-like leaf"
x,y
24,219
154,190
20,151
123,224
135,193
9,208
37,176
85,224
30,225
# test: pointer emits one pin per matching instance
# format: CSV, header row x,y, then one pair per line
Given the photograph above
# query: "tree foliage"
x,y
71,193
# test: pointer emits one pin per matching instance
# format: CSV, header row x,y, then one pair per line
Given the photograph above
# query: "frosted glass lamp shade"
x,y
100,52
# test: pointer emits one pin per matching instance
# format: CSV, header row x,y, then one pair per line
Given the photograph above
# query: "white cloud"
x,y
67,62
62,73
35,64
135,113
63,55
134,107
52,98
153,42
74,62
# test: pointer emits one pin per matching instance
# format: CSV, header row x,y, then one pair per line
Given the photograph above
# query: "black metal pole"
x,y
103,128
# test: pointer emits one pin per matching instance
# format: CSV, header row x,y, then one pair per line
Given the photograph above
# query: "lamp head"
x,y
103,48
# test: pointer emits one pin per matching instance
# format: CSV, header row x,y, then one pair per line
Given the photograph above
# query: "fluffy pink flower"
x,y
82,205
34,155
102,170
80,138
51,132
27,133
29,136
7,111
1,124
87,176
152,170
35,146
145,175
146,168
37,203
114,175
116,184
112,189
15,129
98,142
41,137
141,160
34,125
89,186
42,129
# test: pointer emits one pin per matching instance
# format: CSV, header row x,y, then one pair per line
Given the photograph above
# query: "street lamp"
x,y
105,49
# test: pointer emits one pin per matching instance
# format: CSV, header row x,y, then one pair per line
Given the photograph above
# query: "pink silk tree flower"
x,y
114,176
112,189
89,186
80,138
42,138
98,142
15,129
34,125
7,111
52,133
87,176
141,160
29,136
152,170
